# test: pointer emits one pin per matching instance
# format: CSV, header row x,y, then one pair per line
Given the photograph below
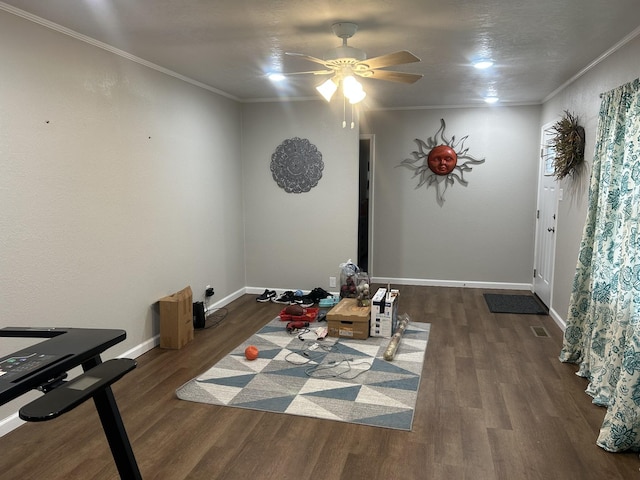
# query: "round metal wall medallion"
x,y
296,165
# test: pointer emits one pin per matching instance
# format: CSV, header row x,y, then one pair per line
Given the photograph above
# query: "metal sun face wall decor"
x,y
437,162
296,165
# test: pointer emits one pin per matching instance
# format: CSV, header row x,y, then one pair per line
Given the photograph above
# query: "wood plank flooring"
x,y
494,403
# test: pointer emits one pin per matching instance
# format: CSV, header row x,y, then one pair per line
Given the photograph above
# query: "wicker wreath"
x,y
568,144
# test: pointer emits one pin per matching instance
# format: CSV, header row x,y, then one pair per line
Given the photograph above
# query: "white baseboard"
x,y
452,283
228,299
558,319
10,423
141,348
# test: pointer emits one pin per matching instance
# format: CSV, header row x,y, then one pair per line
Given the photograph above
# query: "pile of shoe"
x,y
298,298
318,294
285,298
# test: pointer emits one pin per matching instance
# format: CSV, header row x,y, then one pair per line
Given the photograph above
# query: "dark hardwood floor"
x,y
494,403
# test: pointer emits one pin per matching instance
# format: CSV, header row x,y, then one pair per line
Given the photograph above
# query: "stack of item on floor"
x,y
298,319
349,319
298,297
377,318
299,311
346,317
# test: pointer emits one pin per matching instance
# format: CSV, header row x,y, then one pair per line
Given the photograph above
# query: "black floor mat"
x,y
520,304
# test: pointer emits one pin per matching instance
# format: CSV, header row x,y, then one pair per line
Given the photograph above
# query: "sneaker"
x,y
286,298
266,296
304,301
318,294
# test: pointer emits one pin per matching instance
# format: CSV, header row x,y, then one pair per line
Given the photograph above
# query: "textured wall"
x,y
483,232
119,185
297,240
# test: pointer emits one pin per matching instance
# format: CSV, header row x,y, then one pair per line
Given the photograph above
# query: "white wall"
x,y
297,240
582,98
483,232
119,185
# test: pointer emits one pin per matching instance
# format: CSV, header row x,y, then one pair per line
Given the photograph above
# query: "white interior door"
x,y
545,221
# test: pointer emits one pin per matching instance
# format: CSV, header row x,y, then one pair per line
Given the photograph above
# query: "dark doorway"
x,y
363,204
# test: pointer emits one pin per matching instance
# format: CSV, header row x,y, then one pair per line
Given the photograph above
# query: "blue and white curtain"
x,y
603,324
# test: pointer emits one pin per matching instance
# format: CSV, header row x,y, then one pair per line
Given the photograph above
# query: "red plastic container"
x,y
309,315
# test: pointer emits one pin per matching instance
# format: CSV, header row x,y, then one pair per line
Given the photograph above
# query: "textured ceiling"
x,y
230,45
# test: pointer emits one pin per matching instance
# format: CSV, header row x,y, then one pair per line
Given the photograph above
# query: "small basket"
x,y
329,301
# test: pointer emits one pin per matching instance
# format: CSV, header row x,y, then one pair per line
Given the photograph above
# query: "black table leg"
x,y
116,435
114,430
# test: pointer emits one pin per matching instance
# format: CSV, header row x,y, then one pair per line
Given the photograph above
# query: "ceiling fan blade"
x,y
391,76
395,58
310,72
306,57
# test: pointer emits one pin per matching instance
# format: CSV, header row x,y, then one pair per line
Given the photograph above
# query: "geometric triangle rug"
x,y
335,378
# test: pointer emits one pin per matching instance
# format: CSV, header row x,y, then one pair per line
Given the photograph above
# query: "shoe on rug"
x,y
318,294
286,298
304,301
266,296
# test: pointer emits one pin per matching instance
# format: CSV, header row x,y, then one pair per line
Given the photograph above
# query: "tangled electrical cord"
x,y
302,332
214,317
317,354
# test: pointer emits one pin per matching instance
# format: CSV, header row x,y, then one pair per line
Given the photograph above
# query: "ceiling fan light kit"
x,y
351,88
327,89
344,63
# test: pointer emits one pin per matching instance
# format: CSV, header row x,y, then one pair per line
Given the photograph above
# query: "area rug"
x,y
520,304
335,379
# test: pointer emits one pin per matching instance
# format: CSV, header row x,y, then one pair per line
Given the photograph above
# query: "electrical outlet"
x,y
332,282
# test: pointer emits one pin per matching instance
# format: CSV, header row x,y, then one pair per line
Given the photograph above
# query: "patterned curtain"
x,y
603,325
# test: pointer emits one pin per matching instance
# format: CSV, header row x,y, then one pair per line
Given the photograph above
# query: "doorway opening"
x,y
547,208
365,202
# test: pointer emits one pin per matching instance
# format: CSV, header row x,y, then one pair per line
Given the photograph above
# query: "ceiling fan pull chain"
x,y
344,112
353,124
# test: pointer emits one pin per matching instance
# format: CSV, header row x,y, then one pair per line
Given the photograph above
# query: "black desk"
x,y
44,365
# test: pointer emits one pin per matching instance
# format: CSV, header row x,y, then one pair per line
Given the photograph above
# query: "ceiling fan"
x,y
344,62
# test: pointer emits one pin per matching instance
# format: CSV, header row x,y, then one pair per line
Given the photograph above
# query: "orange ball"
x,y
251,352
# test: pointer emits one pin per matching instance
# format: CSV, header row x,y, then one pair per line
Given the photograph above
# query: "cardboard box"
x,y
384,313
176,319
348,320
